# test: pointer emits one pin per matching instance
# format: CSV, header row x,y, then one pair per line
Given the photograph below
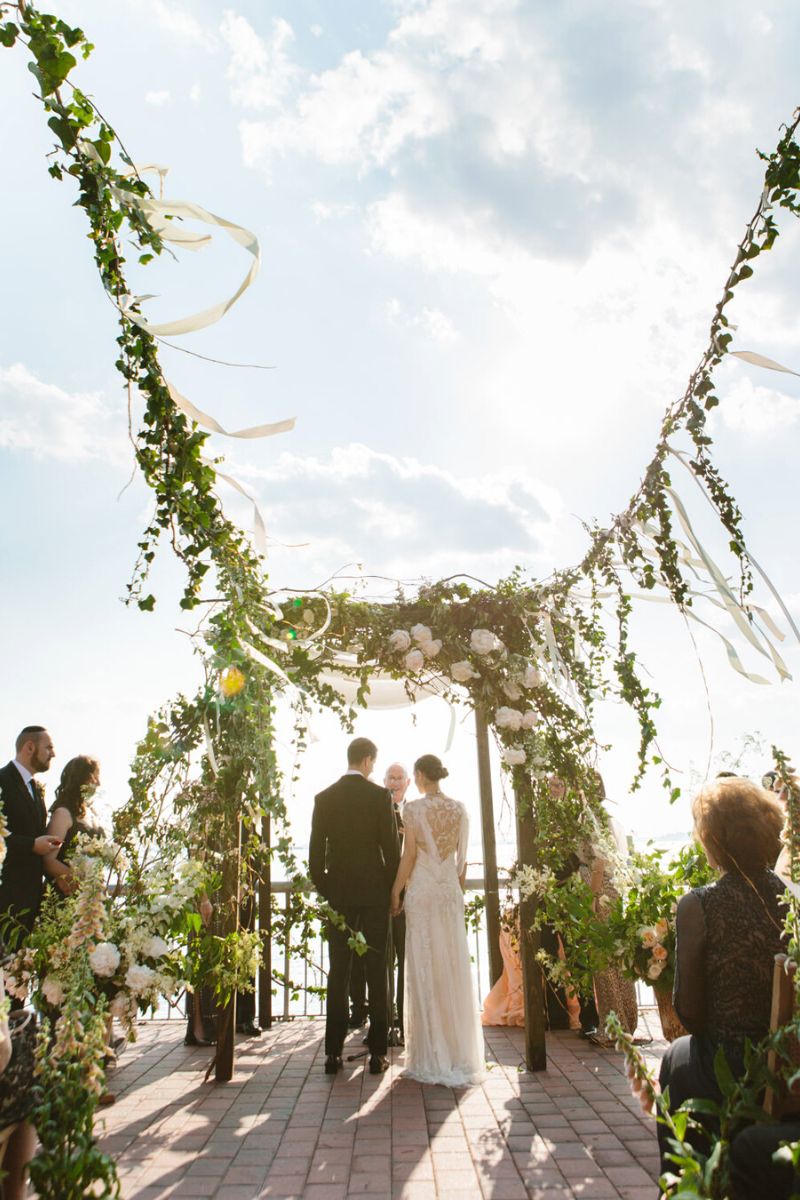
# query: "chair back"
x,y
779,1101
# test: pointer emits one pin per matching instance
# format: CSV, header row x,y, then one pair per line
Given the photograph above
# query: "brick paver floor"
x,y
284,1128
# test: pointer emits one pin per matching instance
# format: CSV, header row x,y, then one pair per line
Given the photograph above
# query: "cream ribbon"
x,y
205,419
759,360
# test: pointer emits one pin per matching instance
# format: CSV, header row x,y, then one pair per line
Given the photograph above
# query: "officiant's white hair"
x,y
400,767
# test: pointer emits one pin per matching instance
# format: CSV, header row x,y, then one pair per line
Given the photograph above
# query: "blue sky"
x,y
493,235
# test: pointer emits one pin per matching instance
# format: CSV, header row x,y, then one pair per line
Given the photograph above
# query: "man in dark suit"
x,y
22,803
353,857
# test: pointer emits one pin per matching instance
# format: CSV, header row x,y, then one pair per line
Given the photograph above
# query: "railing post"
x,y
287,953
532,974
491,887
265,928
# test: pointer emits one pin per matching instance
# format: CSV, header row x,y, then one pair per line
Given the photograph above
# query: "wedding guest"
x,y
505,1003
70,812
728,934
27,844
17,1135
754,1174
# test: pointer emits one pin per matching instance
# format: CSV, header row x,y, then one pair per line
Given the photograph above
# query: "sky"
x,y
493,236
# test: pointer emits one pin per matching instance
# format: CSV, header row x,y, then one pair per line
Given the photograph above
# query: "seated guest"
x,y
17,1135
753,1173
728,934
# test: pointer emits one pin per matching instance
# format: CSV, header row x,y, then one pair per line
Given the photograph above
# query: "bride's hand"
x,y
396,905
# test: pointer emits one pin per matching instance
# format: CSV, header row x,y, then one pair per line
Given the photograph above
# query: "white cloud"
x,y
751,409
47,421
401,514
180,23
158,98
432,321
260,69
195,93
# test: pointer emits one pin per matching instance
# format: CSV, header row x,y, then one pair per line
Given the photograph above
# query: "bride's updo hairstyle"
x,y
431,767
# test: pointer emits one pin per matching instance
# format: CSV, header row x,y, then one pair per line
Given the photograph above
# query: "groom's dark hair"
x,y
29,734
359,749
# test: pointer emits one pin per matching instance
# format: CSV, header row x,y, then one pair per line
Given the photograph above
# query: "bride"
x,y
444,1040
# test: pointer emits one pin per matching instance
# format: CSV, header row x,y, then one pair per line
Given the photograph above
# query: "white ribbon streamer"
x,y
760,360
205,419
259,528
156,212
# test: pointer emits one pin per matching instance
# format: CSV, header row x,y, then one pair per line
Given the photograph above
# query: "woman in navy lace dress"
x,y
728,934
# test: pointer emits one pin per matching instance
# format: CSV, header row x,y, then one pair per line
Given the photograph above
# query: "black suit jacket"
x,y
354,850
22,876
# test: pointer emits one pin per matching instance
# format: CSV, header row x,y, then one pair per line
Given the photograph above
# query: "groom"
x,y
353,857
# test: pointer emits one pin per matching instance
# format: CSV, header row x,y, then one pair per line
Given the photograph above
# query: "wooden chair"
x,y
779,1102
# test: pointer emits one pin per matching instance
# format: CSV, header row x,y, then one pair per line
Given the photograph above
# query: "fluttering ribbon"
x,y
202,418
259,528
760,360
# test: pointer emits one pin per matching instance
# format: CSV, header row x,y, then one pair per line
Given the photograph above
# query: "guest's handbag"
x,y
16,1082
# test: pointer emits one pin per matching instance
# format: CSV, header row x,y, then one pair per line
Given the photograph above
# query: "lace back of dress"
x,y
441,820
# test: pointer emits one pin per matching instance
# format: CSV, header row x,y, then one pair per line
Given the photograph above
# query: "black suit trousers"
x,y
373,922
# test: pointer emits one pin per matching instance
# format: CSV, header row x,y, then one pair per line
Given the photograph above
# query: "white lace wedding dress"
x,y
444,1040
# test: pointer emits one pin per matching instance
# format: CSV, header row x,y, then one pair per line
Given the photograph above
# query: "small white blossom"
x,y
508,718
421,633
104,959
532,677
463,671
139,978
513,756
399,640
155,947
52,991
483,641
414,660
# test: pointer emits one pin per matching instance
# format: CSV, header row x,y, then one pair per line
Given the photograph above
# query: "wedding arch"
x,y
531,657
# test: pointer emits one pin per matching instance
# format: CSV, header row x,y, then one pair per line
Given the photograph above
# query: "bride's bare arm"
x,y
404,870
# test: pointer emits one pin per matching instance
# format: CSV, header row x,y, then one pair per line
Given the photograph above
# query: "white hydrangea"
x,y
532,677
104,959
421,634
431,649
155,947
399,640
483,641
530,719
508,718
463,671
52,991
414,660
139,978
513,756
512,689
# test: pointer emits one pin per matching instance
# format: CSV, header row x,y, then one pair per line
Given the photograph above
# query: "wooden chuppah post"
x,y
490,884
230,898
265,929
532,974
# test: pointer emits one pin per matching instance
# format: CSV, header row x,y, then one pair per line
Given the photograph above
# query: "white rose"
x,y
139,978
463,671
52,991
104,959
431,649
508,718
512,690
513,756
655,969
532,678
483,641
414,660
530,719
399,640
421,633
155,947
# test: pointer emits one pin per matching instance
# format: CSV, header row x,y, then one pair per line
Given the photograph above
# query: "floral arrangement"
x,y
129,940
633,932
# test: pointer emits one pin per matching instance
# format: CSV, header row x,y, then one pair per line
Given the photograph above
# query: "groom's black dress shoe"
x,y
378,1064
333,1063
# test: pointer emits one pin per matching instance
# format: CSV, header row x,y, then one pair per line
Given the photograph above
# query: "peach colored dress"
x,y
505,1004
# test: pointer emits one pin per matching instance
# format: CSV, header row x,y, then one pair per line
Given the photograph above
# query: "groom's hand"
x,y
396,905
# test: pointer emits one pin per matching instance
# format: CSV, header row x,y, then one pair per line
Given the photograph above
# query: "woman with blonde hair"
x,y
728,934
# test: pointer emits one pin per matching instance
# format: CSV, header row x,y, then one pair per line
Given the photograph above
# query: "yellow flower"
x,y
231,681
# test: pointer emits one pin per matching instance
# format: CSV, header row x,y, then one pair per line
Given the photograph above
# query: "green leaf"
x,y
8,34
724,1074
147,604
